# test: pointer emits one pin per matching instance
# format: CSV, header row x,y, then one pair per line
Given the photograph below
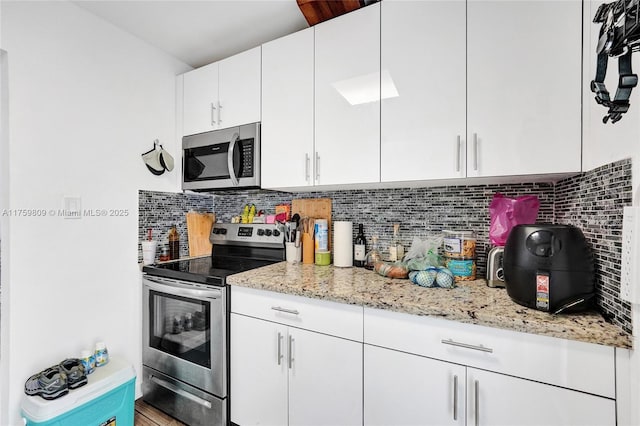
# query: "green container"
x,y
323,258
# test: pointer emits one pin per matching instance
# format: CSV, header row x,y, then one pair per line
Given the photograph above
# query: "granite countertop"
x,y
471,302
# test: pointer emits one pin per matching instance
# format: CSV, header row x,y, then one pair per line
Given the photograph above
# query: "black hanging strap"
x,y
626,82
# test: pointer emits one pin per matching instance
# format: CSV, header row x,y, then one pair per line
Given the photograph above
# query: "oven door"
x,y
185,332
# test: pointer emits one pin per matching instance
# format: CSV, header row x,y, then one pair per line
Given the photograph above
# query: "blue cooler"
x,y
106,400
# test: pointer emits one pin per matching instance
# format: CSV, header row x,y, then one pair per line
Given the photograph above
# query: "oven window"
x,y
180,326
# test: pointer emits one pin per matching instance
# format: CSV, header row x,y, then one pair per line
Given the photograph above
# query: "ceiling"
x,y
204,31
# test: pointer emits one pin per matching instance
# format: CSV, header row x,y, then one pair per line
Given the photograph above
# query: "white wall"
x,y
602,144
85,100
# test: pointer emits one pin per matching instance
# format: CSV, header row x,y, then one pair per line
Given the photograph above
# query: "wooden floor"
x,y
146,415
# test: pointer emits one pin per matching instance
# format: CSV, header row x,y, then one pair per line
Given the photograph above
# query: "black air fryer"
x,y
549,268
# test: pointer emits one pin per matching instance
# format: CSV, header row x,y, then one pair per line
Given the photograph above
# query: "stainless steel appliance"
x,y
495,271
186,306
222,159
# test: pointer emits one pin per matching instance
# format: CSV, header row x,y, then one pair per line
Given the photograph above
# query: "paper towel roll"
x,y
342,244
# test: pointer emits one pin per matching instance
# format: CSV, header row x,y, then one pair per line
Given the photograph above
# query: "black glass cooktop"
x,y
205,270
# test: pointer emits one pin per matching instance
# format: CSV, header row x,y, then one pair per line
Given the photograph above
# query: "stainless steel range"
x,y
186,305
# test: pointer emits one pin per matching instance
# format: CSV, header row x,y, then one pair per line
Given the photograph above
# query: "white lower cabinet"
x,y
405,389
429,371
497,399
286,375
258,377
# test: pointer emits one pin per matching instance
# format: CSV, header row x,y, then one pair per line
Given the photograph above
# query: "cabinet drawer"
x,y
576,365
332,318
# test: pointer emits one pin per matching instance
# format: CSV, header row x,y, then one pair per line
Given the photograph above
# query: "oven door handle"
x,y
174,288
173,388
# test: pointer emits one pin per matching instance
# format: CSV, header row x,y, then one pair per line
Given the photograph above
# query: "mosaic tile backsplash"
x,y
161,210
592,201
421,212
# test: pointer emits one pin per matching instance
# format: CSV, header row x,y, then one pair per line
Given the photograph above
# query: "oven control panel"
x,y
253,234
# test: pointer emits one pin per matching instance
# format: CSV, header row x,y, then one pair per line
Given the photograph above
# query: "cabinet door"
x,y
524,106
404,389
200,99
325,381
347,90
423,125
258,377
239,93
495,399
287,111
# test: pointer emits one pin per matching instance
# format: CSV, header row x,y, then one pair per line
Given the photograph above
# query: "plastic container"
x,y
106,400
323,258
459,244
462,269
321,231
88,360
101,354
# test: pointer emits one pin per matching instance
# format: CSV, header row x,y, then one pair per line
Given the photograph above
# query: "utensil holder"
x,y
308,250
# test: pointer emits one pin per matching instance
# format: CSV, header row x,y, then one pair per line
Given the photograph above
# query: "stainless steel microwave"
x,y
222,159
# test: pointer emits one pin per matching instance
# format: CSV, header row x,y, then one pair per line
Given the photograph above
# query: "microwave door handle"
x,y
232,148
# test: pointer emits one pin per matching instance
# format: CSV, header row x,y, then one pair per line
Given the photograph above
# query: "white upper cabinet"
x,y
423,118
523,82
200,100
287,111
347,103
239,90
223,94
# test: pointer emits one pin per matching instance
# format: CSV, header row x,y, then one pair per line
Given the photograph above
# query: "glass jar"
x,y
374,255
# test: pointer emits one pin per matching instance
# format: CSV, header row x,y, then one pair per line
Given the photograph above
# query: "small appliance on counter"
x,y
495,271
549,268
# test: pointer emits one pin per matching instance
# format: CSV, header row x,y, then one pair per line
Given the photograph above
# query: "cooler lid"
x,y
103,380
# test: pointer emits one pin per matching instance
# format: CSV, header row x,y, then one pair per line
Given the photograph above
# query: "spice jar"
x,y
164,254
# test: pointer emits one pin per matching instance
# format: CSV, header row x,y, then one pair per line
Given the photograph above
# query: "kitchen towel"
x,y
343,244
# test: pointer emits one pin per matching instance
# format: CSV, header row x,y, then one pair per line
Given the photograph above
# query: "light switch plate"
x,y
629,275
72,207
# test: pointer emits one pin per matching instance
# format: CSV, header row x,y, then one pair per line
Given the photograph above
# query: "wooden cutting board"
x,y
317,208
198,231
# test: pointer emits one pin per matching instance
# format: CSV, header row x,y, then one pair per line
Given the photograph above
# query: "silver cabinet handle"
x,y
219,112
279,348
475,151
477,401
307,176
290,351
455,397
467,346
183,393
285,310
213,114
458,154
317,167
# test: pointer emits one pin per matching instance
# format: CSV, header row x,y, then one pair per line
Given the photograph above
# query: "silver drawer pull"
x,y
285,310
183,393
467,346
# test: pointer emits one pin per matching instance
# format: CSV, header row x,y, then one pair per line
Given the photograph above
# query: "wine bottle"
x,y
360,248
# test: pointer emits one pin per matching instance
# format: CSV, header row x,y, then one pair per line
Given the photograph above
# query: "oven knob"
x,y
267,232
215,230
222,231
260,232
276,233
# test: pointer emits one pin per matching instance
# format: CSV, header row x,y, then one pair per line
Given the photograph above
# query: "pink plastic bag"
x,y
505,213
